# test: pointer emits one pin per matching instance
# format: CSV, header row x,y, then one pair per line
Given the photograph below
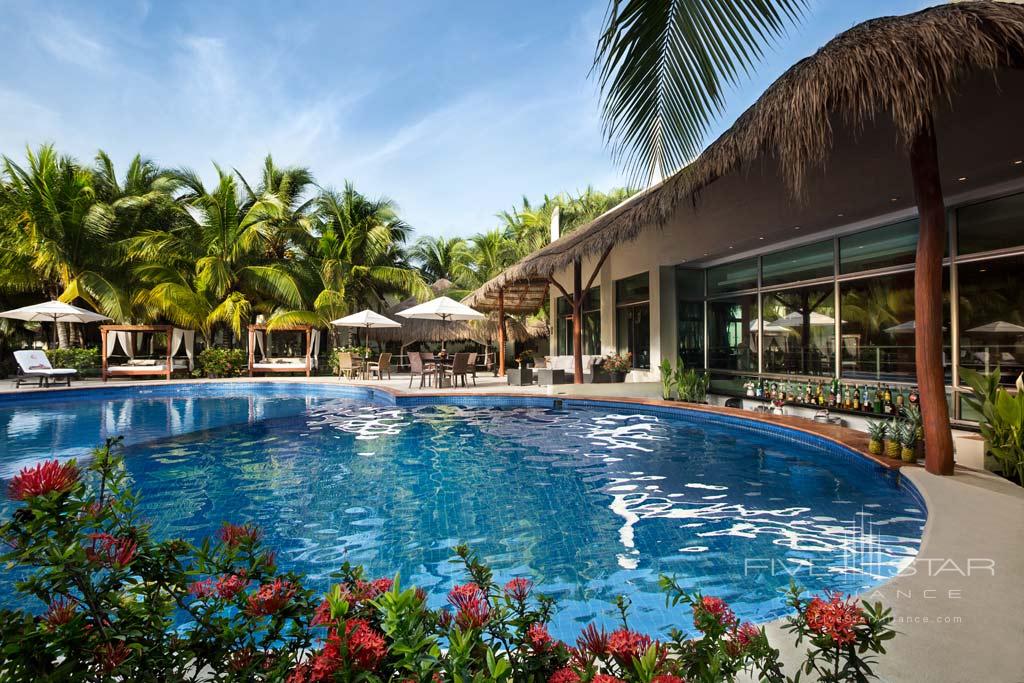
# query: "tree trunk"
x,y
501,333
63,338
924,167
577,322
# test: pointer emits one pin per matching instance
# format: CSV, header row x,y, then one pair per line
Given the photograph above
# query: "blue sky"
x,y
453,109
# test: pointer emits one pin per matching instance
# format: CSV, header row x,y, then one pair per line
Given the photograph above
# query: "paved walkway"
x,y
959,607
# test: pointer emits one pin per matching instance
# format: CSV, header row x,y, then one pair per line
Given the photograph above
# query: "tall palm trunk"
x,y
924,166
63,335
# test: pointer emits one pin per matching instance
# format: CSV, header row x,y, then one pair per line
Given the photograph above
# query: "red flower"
x,y
382,585
240,660
565,675
42,479
111,551
518,588
366,647
421,594
469,593
605,678
111,655
236,534
592,641
322,614
61,611
201,589
270,598
472,606
746,634
230,585
836,618
625,645
538,637
713,609
667,678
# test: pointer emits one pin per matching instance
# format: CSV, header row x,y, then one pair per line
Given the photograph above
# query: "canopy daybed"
x,y
259,347
141,362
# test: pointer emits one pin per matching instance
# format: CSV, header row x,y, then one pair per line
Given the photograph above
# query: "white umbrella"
x,y
53,312
444,309
998,327
905,328
368,320
796,319
769,328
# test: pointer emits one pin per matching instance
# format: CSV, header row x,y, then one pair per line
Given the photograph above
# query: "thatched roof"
x,y
894,68
525,296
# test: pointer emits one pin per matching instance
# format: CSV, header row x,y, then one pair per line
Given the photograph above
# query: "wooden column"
x,y
309,349
252,345
103,353
931,242
577,322
501,332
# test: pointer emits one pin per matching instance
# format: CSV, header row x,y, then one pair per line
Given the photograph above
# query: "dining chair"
x,y
382,366
472,366
460,368
347,366
417,366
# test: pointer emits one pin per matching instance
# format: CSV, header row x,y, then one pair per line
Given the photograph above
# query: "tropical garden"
x,y
148,244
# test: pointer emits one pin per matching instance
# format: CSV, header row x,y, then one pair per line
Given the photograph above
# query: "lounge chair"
x,y
418,366
32,363
382,366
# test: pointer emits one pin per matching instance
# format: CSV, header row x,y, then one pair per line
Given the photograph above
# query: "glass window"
x,y
996,224
590,316
878,328
799,330
893,245
632,290
732,277
802,263
732,333
992,316
690,316
633,319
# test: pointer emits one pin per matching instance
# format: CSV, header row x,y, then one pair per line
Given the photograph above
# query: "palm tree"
x,y
441,257
58,233
287,205
213,268
355,262
662,64
490,253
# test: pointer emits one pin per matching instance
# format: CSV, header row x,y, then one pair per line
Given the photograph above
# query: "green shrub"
x,y
692,385
215,362
356,351
1002,419
668,379
82,360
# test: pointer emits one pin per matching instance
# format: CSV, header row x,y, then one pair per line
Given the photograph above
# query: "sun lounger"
x,y
35,364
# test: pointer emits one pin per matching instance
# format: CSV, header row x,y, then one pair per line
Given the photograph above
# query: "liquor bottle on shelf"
x,y
913,398
876,406
900,399
887,403
856,398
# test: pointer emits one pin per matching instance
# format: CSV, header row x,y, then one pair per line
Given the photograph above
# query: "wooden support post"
x,y
170,352
577,322
103,353
309,348
931,209
501,332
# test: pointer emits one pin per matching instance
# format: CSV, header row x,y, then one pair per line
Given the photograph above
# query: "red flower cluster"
x,y
565,675
322,614
61,611
715,609
538,637
605,678
44,478
230,585
364,646
201,589
471,603
625,645
837,618
109,656
235,534
667,678
518,589
111,551
746,634
270,598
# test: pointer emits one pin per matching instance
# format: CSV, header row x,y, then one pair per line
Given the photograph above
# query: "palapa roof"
x,y
524,296
895,70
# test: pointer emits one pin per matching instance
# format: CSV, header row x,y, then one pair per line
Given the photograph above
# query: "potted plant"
x,y
525,359
876,437
908,440
668,379
617,365
1001,421
893,433
692,385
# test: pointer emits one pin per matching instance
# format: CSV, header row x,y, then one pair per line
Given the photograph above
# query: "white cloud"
x,y
71,43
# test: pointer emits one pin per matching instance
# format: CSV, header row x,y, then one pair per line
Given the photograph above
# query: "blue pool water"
x,y
590,500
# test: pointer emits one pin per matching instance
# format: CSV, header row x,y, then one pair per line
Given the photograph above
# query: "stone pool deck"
x,y
959,607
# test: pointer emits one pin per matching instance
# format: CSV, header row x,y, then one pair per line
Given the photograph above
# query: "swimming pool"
x,y
589,499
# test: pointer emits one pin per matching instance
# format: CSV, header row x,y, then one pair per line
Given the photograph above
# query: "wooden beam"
x,y
501,332
560,288
931,242
577,322
597,268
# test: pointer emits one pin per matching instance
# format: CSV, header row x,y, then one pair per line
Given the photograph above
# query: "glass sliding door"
x,y
732,333
690,317
799,330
